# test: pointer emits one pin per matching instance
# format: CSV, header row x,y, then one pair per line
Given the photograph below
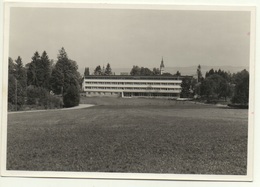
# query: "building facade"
x,y
133,86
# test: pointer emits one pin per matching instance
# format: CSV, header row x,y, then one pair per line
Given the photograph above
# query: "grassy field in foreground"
x,y
130,135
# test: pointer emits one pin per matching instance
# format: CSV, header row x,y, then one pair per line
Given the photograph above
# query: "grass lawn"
x,y
131,135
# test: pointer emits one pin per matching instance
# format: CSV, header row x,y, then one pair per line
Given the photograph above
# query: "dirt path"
x,y
72,108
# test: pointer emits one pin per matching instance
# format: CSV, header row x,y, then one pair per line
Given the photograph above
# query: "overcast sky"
x,y
125,38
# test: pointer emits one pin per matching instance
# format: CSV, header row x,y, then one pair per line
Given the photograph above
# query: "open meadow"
x,y
131,135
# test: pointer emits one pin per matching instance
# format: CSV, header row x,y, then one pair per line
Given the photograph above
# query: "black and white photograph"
x,y
135,92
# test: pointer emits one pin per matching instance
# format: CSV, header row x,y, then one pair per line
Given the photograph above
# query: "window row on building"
x,y
128,88
133,94
144,94
132,83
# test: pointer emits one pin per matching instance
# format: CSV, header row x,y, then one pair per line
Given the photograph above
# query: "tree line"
x,y
217,85
143,71
99,71
43,83
135,71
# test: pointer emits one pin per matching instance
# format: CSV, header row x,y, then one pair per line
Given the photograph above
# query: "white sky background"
x,y
125,38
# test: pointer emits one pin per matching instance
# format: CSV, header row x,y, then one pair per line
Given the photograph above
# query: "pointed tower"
x,y
103,70
161,67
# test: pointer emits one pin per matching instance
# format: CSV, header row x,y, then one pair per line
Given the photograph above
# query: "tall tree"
x,y
215,87
12,89
20,71
62,56
145,71
86,72
211,72
225,75
11,66
108,70
57,80
177,73
187,87
44,71
64,74
71,96
39,71
98,70
156,71
32,78
199,74
11,81
135,71
20,82
241,94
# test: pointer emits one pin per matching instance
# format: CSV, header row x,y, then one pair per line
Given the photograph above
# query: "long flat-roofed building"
x,y
133,86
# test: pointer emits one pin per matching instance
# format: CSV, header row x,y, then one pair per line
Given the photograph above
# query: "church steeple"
x,y
161,67
103,70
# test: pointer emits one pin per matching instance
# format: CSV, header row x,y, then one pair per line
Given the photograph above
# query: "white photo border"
x,y
146,176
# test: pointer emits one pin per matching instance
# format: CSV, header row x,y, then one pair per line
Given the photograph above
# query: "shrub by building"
x,y
71,97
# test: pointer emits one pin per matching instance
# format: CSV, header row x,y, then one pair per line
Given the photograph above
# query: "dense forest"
x,y
218,85
43,84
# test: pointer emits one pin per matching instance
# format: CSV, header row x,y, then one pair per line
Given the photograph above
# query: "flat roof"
x,y
131,77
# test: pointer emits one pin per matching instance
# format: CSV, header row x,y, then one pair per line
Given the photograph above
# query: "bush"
x,y
54,102
71,97
37,96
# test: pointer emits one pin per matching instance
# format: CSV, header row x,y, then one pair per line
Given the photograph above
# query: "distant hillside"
x,y
190,70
